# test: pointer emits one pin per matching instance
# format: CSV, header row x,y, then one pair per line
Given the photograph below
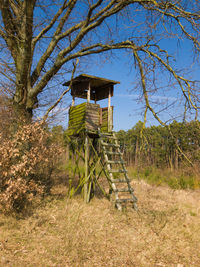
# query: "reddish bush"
x,y
27,159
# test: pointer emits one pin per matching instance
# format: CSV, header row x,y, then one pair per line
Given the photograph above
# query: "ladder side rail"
x,y
131,190
108,142
113,186
109,169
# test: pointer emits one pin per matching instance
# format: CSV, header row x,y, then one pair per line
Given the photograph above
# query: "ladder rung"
x,y
117,171
119,180
115,161
110,140
107,144
113,153
108,136
123,190
125,200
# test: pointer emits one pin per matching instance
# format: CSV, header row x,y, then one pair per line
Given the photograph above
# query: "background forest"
x,y
155,146
156,154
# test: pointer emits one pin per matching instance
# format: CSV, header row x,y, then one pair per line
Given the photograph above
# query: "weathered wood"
x,y
107,119
118,171
114,153
110,119
94,115
100,118
115,161
91,124
73,101
88,93
77,118
76,123
77,109
80,112
88,118
108,136
124,190
109,98
83,117
100,87
78,89
110,145
125,200
118,180
120,186
92,105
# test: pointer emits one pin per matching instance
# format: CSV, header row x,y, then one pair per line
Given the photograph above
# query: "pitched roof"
x,y
99,87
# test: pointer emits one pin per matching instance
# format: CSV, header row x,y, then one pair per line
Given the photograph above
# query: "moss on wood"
x,y
83,117
105,127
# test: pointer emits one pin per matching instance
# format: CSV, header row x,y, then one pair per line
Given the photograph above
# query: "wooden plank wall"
x,y
85,116
92,117
107,125
76,119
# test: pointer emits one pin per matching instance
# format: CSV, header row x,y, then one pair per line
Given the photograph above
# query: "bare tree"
x,y
41,39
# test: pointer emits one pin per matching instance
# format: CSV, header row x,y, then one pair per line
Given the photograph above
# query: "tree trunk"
x,y
22,113
136,153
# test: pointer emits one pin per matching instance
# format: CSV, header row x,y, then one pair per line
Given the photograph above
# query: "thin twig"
x,y
64,93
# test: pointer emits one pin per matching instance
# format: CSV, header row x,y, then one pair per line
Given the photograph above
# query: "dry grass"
x,y
165,232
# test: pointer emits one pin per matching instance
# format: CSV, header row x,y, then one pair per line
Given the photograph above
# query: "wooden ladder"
x,y
117,174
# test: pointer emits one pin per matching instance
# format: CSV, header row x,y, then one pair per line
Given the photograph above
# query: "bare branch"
x,y
3,34
64,93
84,52
85,26
176,76
148,106
49,26
74,36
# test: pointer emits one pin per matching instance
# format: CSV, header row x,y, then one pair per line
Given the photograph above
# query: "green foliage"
x,y
71,168
77,118
156,146
57,135
175,180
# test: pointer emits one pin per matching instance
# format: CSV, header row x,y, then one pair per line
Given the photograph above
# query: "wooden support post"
x,y
73,101
109,98
88,93
110,122
86,170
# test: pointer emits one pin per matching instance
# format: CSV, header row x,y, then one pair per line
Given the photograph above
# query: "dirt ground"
x,y
61,232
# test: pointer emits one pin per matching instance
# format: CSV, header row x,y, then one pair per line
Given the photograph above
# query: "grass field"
x,y
62,232
183,178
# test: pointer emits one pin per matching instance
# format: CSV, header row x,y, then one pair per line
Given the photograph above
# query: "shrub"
x,y
27,158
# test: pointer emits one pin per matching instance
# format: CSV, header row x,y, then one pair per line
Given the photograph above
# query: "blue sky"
x,y
130,24
128,110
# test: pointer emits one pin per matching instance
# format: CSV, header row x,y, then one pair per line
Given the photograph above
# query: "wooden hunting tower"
x,y
90,130
89,116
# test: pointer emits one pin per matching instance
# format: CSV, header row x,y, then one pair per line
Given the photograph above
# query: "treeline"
x,y
154,154
159,147
156,145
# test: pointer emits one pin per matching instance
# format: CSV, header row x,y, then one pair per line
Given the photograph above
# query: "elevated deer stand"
x,y
94,143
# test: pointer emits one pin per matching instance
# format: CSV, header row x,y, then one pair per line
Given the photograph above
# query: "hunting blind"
x,y
93,143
